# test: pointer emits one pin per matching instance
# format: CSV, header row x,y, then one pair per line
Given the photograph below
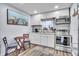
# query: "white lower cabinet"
x,y
63,48
51,39
35,38
57,47
47,40
42,39
31,38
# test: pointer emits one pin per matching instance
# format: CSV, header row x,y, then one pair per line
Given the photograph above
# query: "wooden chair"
x,y
26,36
7,47
20,42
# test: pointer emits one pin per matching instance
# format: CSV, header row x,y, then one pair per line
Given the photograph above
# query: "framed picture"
x,y
15,18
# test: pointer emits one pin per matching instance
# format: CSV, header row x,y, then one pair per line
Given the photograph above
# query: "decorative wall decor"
x,y
15,18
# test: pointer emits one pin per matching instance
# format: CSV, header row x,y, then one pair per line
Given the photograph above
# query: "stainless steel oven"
x,y
63,40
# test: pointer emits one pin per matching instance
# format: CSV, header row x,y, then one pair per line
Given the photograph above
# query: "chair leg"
x,y
6,52
17,51
29,44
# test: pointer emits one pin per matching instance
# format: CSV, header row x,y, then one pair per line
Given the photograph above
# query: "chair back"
x,y
5,41
26,35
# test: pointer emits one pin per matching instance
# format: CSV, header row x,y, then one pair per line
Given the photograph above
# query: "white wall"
x,y
74,31
10,31
35,19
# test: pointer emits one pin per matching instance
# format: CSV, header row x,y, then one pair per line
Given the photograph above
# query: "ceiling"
x,y
39,7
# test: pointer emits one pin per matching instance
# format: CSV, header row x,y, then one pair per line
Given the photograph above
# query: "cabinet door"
x,y
57,47
44,40
32,39
51,42
37,39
